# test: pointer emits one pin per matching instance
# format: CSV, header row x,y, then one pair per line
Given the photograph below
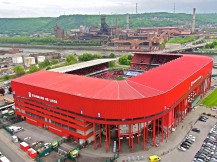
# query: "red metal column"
x,y
144,141
106,137
138,134
153,132
132,139
158,126
178,113
162,129
94,135
147,132
129,142
209,82
100,136
109,136
119,139
175,117
183,113
167,130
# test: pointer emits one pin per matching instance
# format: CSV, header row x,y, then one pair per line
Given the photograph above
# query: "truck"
x,y
45,150
54,144
37,145
74,153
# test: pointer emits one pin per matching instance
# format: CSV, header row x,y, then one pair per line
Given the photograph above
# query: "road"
x,y
11,150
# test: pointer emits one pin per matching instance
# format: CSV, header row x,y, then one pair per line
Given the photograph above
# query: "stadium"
x,y
91,103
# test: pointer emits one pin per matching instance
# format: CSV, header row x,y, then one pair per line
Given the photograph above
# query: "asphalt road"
x,y
11,150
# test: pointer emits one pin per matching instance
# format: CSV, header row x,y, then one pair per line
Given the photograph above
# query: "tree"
x,y
86,57
19,70
53,62
123,60
71,59
112,55
44,64
33,69
6,77
111,64
129,57
97,56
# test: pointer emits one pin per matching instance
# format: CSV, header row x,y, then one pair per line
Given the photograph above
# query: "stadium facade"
x,y
139,109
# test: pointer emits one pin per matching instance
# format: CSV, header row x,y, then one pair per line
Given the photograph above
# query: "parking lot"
x,y
36,133
188,155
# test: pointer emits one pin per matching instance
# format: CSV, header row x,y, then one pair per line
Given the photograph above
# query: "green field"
x,y
210,100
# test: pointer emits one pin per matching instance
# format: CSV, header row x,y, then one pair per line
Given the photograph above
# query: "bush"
x,y
97,56
53,62
112,55
44,64
129,57
33,69
86,57
71,59
123,60
48,68
6,77
19,70
111,64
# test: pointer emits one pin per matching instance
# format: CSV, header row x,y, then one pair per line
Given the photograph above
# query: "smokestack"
x,y
136,8
127,22
193,20
116,27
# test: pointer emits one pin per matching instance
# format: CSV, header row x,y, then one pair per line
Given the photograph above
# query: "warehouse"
x,y
140,107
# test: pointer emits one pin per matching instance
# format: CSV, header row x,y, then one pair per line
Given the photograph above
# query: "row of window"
x,y
45,119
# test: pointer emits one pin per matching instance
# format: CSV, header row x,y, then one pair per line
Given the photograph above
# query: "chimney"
x,y
193,20
127,22
116,27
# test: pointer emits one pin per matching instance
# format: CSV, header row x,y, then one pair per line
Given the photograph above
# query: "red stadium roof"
x,y
151,83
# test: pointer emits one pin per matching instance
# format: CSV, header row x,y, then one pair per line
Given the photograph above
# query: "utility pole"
x,y
174,7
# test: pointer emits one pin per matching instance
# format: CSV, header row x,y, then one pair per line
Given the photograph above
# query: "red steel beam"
x,y
154,132
138,134
94,134
100,136
162,129
119,139
144,137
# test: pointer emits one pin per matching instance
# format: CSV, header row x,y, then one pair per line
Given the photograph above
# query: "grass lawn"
x,y
210,100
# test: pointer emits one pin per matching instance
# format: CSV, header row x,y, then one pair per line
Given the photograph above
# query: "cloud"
x,y
40,8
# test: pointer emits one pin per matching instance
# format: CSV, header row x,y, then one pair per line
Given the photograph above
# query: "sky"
x,y
54,8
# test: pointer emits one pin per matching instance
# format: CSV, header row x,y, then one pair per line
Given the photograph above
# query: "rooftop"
x,y
81,65
151,83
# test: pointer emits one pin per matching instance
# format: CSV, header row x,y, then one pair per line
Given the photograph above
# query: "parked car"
x,y
27,138
154,158
181,148
196,130
214,109
203,118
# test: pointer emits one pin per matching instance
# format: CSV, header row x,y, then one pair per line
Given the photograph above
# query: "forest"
x,y
30,26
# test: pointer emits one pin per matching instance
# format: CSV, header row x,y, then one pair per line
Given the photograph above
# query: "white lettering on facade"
x,y
42,98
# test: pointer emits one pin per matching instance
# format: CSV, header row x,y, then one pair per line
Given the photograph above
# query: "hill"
x,y
28,26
